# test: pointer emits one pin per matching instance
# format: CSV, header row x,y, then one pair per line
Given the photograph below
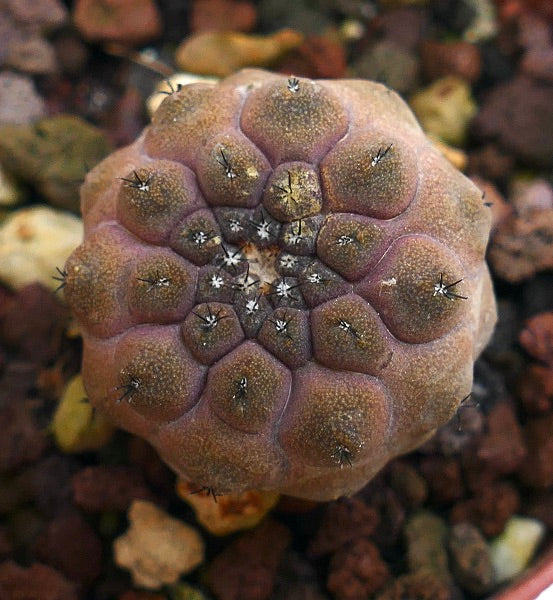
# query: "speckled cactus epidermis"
x,y
282,284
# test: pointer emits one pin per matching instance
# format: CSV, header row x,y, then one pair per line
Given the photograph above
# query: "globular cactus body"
x,y
282,284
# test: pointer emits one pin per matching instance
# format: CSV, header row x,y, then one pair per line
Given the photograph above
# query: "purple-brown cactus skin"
x,y
282,284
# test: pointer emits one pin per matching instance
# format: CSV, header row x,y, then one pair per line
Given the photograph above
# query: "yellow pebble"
x,y
76,427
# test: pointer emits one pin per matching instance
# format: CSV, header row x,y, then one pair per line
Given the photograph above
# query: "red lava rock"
x,y
71,52
36,581
402,25
108,487
502,448
291,505
343,521
25,525
536,389
357,571
6,546
390,515
222,15
440,59
528,195
22,440
246,569
48,482
140,595
519,114
541,507
423,585
156,472
32,323
537,337
444,478
533,31
490,510
523,245
129,22
389,63
70,545
492,196
318,57
537,470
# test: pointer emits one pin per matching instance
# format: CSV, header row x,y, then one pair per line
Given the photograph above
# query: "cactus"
x,y
282,284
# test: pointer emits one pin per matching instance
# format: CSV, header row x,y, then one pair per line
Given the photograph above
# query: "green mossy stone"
x,y
53,155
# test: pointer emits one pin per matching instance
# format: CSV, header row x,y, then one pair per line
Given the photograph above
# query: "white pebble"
x,y
513,549
33,242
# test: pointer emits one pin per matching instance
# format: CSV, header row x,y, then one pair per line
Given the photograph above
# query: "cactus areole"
x,y
282,284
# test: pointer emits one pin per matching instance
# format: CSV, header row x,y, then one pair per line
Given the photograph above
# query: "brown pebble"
x,y
222,15
70,545
423,585
450,58
470,558
36,581
108,487
408,484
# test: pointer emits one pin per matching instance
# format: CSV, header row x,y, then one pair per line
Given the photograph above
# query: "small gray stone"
x,y
19,102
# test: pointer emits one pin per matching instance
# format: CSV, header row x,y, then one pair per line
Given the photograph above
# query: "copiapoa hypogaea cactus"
x,y
282,284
